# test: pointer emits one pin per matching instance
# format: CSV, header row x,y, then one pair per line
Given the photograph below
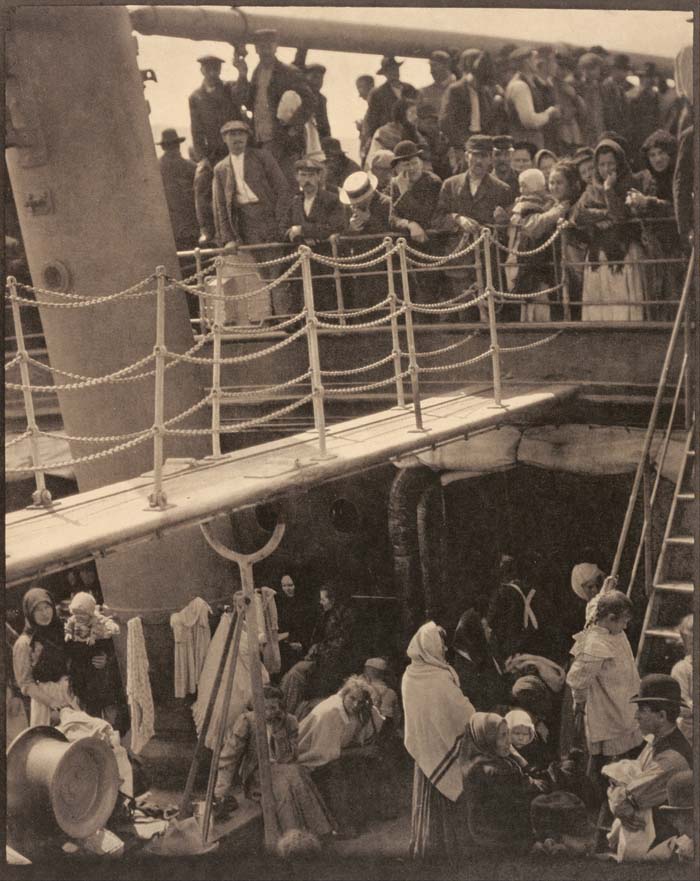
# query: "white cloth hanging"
x,y
241,693
192,637
138,687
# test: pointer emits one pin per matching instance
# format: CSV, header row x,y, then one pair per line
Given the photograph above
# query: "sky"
x,y
175,65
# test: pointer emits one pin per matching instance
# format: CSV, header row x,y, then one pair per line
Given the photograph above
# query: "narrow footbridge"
x,y
44,539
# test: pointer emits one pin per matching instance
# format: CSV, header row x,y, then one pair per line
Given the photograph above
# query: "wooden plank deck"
x,y
93,523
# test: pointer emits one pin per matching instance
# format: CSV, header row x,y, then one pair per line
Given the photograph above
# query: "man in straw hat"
x,y
382,100
665,754
281,101
211,105
178,183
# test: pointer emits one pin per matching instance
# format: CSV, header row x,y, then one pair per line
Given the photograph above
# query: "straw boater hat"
x,y
52,782
357,187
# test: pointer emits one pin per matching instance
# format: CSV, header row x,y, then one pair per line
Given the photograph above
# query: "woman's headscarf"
x,y
483,730
532,695
624,172
32,598
543,154
436,712
51,662
520,719
470,637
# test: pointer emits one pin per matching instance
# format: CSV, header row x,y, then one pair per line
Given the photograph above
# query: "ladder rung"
x,y
680,540
675,586
686,497
663,633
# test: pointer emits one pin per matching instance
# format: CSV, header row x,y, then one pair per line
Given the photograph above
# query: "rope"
x,y
241,426
242,359
82,459
244,296
353,312
268,388
339,262
351,390
13,361
95,439
101,297
543,293
86,382
542,247
277,261
439,261
445,349
188,412
542,342
432,309
352,327
446,367
18,439
364,369
268,328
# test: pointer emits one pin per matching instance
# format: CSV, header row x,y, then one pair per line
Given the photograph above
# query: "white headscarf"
x,y
436,711
581,574
520,719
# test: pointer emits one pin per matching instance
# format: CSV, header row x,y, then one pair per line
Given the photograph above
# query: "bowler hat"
x,y
264,35
441,56
307,164
558,813
658,688
405,150
479,144
210,59
235,125
622,62
503,142
72,785
169,136
331,146
520,53
679,791
357,187
387,62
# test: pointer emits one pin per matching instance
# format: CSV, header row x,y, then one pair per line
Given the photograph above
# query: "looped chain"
x,y
532,296
241,426
354,370
265,390
352,390
445,367
352,327
534,345
429,259
242,359
431,309
18,439
350,261
350,313
93,457
444,349
247,295
542,247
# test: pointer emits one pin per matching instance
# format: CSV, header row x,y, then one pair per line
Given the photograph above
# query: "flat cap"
x,y
440,56
210,59
307,164
503,142
235,125
479,144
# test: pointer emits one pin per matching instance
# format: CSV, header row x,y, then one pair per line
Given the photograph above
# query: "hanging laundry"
x,y
138,687
192,638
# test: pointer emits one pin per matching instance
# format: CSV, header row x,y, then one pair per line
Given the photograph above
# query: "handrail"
x,y
654,416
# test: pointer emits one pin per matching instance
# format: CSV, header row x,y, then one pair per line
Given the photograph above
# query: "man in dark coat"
x,y
685,185
278,125
467,105
338,165
178,180
211,105
616,108
503,149
250,191
469,201
315,74
382,100
644,109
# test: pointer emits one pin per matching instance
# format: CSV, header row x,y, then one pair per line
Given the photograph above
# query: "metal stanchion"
x,y
41,497
338,281
200,287
395,343
410,337
314,354
157,499
495,356
479,271
565,299
216,356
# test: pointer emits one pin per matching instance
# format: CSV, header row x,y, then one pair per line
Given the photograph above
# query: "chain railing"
x,y
481,261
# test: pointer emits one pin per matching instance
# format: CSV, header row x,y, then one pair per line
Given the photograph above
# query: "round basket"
x,y
52,782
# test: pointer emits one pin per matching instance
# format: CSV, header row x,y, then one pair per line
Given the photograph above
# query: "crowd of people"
x,y
518,737
525,141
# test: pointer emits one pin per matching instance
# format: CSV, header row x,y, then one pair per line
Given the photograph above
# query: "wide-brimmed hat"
x,y
387,62
235,125
210,59
357,187
479,144
70,785
169,136
659,688
679,791
405,150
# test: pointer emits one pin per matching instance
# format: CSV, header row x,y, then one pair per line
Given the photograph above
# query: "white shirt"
x,y
244,194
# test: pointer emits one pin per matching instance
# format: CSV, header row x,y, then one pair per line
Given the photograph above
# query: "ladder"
x,y
672,586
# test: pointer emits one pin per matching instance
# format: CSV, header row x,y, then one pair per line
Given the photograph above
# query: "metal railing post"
x,y
41,497
410,337
314,353
338,281
479,271
565,298
648,533
216,357
157,499
200,286
495,350
395,342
